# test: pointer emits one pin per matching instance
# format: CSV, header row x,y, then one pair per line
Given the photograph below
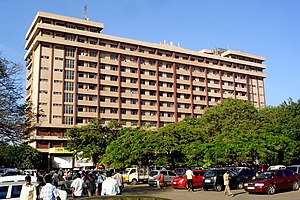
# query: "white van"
x,y
276,167
295,168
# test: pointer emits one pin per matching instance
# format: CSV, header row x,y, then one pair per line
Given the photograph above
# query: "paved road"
x,y
174,194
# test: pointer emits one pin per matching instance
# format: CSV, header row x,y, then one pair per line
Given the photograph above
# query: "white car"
x,y
12,190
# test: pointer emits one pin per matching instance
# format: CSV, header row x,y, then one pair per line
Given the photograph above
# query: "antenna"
x,y
84,12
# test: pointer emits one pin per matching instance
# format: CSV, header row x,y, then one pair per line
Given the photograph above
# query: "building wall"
x,y
75,74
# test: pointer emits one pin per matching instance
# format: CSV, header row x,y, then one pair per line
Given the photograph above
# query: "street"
x,y
181,194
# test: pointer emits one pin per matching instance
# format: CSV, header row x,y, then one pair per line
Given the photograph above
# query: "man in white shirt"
x,y
77,186
110,186
189,176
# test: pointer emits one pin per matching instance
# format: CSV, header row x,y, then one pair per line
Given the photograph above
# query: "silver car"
x,y
168,176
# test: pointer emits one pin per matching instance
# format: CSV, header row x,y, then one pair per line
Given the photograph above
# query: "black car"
x,y
213,179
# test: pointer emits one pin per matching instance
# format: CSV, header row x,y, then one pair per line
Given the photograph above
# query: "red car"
x,y
271,181
181,182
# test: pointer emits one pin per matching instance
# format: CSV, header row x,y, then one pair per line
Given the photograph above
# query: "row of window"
x,y
70,52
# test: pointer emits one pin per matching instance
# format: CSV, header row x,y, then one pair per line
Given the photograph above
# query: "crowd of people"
x,y
93,183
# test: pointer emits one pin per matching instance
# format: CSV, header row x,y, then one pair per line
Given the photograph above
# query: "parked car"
x,y
12,190
271,181
295,168
244,174
180,171
168,176
181,182
213,179
3,170
276,167
14,176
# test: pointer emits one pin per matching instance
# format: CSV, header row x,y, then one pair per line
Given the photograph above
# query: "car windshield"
x,y
153,173
126,171
210,173
266,175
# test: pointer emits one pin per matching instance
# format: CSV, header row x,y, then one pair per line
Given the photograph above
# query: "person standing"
x,y
28,190
100,180
41,183
49,191
189,176
119,179
110,186
77,186
226,178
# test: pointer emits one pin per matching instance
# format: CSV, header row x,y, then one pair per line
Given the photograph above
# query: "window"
x,y
169,75
152,73
92,75
169,85
70,52
68,109
113,78
102,99
133,101
170,114
102,66
92,98
132,70
68,120
113,67
123,79
152,83
69,86
169,94
69,74
113,88
79,97
134,112
133,80
113,110
152,113
93,54
123,69
69,63
152,93
102,76
113,57
68,97
113,100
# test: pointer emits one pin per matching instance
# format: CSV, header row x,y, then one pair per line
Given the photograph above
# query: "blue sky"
x,y
270,28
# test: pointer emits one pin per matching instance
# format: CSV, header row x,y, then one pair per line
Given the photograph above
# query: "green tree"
x,y
22,156
132,147
172,139
237,147
91,140
231,114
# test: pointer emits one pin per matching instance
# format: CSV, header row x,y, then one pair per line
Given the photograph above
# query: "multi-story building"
x,y
75,73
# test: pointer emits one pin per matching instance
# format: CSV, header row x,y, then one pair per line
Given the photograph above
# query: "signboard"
x,y
62,162
61,150
83,162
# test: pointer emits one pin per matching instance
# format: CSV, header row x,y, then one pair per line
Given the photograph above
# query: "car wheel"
x,y
241,185
296,185
204,188
271,189
134,182
218,188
